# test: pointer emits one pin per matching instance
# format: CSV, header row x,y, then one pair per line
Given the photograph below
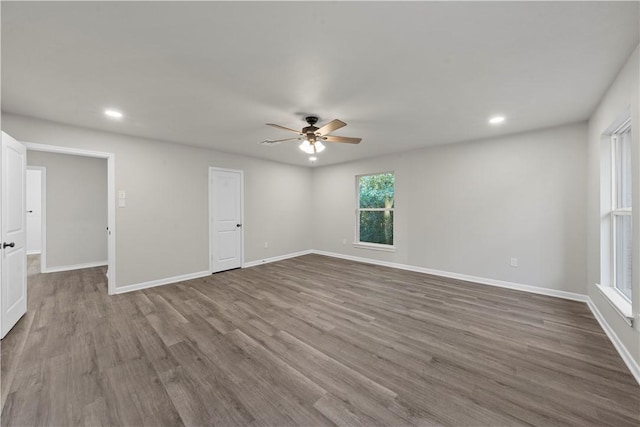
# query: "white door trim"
x,y
111,200
43,214
211,171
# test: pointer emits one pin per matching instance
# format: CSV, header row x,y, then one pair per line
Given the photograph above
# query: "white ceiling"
x,y
402,75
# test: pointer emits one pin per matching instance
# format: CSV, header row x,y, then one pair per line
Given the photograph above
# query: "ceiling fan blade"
x,y
348,140
331,126
285,128
275,141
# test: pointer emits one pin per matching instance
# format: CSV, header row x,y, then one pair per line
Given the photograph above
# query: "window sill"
x,y
618,302
374,246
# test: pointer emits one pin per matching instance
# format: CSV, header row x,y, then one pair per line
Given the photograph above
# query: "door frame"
x,y
43,214
212,170
111,200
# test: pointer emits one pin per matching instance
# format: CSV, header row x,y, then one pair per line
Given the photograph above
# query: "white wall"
x,y
162,232
622,94
467,208
76,211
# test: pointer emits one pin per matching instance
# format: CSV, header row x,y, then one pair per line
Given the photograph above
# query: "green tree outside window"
x,y
375,208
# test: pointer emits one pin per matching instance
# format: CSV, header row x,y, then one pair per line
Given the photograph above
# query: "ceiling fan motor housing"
x,y
312,120
310,131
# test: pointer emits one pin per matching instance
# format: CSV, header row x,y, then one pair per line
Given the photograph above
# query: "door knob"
x,y
238,225
5,244
29,211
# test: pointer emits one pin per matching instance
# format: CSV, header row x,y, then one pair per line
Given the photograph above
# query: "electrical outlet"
x,y
266,245
514,262
344,241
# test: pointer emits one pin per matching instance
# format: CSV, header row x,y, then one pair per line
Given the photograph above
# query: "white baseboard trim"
x,y
276,258
182,278
74,267
482,280
34,252
633,365
160,282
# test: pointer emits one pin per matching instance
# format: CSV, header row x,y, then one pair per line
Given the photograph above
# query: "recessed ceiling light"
x,y
114,114
496,120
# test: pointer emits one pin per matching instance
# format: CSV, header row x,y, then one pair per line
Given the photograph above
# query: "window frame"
x,y
616,211
368,245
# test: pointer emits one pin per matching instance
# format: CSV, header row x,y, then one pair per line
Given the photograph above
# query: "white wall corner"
x,y
628,359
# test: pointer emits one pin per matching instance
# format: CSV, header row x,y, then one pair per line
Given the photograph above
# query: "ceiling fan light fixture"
x,y
306,147
312,148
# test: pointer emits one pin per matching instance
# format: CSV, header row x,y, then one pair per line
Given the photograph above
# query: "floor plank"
x,y
310,341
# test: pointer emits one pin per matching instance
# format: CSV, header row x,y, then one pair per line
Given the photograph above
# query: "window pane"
x,y
376,227
376,191
623,170
623,254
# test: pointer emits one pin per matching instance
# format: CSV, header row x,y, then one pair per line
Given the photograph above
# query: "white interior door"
x,y
225,198
34,211
13,293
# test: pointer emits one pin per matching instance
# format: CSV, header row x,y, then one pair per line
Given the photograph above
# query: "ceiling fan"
x,y
312,136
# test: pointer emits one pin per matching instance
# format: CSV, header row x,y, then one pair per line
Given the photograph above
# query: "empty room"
x,y
320,213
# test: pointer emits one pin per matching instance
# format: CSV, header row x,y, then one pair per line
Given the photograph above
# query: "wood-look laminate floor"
x,y
309,341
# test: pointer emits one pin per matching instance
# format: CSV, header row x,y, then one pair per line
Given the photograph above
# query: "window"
x,y
374,224
621,210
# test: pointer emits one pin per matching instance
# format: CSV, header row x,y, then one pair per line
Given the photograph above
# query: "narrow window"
x,y
621,210
374,224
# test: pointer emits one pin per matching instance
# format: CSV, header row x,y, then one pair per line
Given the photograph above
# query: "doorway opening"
x,y
109,230
36,204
